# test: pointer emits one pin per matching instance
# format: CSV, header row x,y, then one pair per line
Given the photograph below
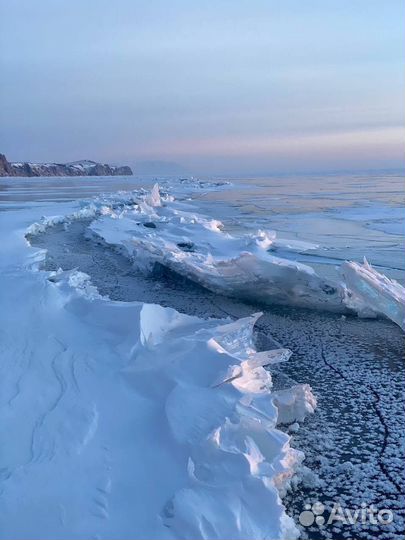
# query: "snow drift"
x,y
128,420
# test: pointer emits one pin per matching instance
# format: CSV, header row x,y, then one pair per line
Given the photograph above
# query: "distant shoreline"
x,y
76,168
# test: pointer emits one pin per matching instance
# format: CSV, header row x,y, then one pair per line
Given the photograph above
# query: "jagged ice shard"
x,y
371,293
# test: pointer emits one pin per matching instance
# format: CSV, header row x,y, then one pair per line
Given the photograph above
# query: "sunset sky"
x,y
220,87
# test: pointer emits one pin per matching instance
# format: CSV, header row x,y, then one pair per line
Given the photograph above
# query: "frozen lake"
x,y
352,215
354,442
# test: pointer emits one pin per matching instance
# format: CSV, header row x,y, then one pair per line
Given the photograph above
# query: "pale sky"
x,y
221,87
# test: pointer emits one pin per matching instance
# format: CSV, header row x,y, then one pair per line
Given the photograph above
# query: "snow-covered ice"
x,y
196,247
123,419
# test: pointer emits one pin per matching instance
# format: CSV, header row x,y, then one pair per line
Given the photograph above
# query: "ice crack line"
x,y
378,412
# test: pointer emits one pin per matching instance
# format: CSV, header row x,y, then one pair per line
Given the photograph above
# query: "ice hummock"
x,y
198,248
123,419
244,266
154,230
372,293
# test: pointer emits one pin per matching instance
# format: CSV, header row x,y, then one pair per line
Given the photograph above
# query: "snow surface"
x,y
130,420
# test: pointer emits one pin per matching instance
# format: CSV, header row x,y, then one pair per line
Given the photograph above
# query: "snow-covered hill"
x,y
75,168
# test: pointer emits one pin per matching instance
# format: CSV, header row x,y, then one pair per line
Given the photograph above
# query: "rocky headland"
x,y
75,168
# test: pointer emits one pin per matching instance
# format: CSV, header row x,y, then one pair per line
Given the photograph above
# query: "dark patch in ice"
x,y
150,225
355,440
329,290
186,246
